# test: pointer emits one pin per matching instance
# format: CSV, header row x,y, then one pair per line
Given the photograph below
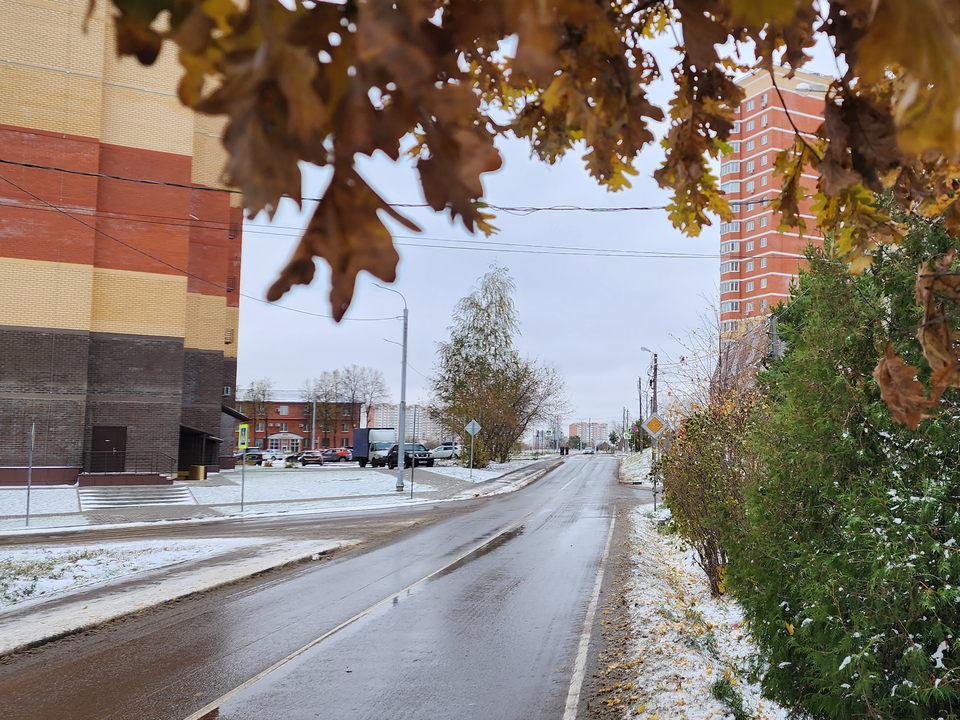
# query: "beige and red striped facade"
x,y
758,262
119,299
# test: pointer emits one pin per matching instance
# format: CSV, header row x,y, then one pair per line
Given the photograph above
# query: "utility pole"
x,y
653,404
401,430
313,417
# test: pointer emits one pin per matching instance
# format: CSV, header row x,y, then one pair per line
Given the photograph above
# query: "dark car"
x,y
311,457
253,452
413,453
340,454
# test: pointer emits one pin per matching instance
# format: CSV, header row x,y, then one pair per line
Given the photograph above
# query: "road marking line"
x,y
580,666
210,707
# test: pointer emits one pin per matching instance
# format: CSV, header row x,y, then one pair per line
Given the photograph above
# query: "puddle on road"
x,y
484,549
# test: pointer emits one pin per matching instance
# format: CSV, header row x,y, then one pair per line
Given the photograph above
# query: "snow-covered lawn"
x,y
34,572
636,467
688,647
44,500
272,484
493,470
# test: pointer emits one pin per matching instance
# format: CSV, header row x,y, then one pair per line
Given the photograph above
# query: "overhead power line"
x,y
520,211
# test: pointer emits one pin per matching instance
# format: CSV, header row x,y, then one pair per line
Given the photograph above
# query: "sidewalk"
x,y
44,618
266,491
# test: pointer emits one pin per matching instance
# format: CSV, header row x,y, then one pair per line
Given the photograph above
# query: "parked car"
x,y
413,453
253,452
311,457
587,451
446,451
340,454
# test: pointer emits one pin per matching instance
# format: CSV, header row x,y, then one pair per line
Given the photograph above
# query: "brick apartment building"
x,y
590,433
420,424
118,297
757,263
286,425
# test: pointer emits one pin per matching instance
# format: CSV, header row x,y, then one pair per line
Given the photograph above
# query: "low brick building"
x,y
119,257
286,425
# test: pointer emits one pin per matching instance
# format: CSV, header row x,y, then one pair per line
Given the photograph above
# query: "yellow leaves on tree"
x,y
322,82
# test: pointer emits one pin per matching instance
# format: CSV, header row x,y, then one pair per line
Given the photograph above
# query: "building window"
x,y
763,223
750,286
750,105
274,444
729,326
295,445
227,390
728,306
763,241
258,443
749,228
729,247
763,159
763,100
750,166
750,186
731,187
763,139
749,206
735,144
259,427
346,412
736,126
763,121
283,410
763,304
763,282
750,266
731,166
763,180
730,286
344,443
749,125
749,145
228,336
344,427
730,266
763,264
283,427
729,227
750,245
749,307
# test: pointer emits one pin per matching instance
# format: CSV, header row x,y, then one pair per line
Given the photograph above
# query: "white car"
x,y
587,451
446,451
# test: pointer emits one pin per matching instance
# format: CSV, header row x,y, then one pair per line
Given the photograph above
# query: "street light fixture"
x,y
403,394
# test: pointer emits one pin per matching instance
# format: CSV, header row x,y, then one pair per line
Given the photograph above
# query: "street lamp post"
x,y
401,457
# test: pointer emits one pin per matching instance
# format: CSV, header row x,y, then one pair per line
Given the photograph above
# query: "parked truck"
x,y
371,445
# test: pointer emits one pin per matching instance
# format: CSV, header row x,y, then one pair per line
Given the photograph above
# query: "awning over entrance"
x,y
197,447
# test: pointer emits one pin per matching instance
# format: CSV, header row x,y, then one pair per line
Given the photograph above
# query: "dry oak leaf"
x,y
900,389
346,232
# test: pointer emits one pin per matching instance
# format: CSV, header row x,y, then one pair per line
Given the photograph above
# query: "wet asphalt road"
x,y
477,615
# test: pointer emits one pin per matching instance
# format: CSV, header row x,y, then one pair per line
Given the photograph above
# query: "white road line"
x,y
580,666
210,707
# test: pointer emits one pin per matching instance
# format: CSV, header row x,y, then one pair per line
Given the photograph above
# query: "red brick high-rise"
x,y
118,297
757,262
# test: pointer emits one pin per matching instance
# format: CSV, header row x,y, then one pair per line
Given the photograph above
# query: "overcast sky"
x,y
588,314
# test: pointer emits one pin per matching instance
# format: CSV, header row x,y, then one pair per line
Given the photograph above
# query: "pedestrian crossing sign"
x,y
243,441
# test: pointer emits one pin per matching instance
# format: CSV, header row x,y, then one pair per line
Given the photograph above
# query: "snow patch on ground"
x,y
35,572
492,471
635,468
685,641
44,500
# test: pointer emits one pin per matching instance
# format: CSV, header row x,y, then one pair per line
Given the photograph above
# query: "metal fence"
x,y
109,461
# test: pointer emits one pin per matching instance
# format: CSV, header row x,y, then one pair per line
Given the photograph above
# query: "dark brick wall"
x,y
43,380
202,390
228,423
136,382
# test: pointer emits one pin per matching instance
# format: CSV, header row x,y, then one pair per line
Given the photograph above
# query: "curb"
x,y
69,626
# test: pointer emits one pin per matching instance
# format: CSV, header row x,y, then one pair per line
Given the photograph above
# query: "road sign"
x,y
473,427
655,426
627,435
548,433
244,440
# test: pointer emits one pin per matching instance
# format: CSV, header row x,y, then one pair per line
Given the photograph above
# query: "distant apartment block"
x,y
287,425
419,423
757,262
590,433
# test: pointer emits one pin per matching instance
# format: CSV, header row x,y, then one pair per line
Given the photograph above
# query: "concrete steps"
x,y
95,498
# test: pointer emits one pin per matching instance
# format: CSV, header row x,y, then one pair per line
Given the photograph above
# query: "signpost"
x,y
33,432
655,427
473,427
243,442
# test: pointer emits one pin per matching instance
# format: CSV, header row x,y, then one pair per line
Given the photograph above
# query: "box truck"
x,y
371,445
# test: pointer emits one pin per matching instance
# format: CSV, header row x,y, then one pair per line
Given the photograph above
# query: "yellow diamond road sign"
x,y
654,426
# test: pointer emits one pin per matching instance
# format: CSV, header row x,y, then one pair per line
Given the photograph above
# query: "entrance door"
x,y
109,449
